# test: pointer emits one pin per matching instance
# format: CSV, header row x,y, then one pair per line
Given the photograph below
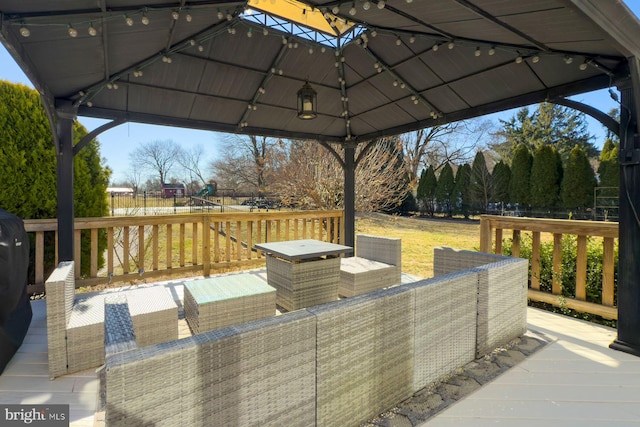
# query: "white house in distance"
x,y
123,191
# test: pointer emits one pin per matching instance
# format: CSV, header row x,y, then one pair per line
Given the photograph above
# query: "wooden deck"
x,y
576,380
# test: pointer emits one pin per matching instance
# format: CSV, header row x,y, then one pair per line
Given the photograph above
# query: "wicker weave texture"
x,y
364,356
448,260
376,266
303,284
502,303
382,249
119,335
445,325
261,373
222,301
59,287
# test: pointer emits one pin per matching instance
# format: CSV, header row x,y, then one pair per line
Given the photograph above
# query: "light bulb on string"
x,y
24,31
144,19
91,30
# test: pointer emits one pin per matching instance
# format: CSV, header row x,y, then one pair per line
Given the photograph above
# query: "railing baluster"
x,y
77,249
535,261
238,240
194,243
556,282
154,243
206,241
141,241
169,239
39,266
110,252
228,241
249,240
499,241
515,246
181,244
216,242
93,271
581,268
125,250
607,272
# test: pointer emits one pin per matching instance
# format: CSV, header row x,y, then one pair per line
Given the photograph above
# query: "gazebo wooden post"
x,y
349,194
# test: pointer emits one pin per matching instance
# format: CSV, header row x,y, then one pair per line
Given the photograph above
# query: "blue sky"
x,y
117,143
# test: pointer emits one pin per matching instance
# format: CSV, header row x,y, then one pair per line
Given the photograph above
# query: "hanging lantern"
x,y
307,102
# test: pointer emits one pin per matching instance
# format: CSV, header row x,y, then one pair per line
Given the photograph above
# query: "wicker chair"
x,y
377,265
75,324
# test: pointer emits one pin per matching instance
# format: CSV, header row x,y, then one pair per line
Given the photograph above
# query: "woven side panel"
x,y
445,328
85,333
60,289
364,356
447,260
304,284
502,303
360,275
261,373
383,249
154,314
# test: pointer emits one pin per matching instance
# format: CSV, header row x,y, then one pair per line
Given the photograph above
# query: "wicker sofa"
x,y
75,323
336,364
377,264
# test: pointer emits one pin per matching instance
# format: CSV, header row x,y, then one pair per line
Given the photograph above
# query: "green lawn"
x,y
419,237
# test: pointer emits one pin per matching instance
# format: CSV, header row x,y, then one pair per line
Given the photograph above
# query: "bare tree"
x,y
244,164
452,143
191,162
156,156
134,177
310,176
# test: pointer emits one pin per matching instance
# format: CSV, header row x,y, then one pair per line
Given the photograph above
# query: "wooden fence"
x,y
168,245
492,232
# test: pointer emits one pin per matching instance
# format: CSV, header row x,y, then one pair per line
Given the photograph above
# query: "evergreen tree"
x,y
480,183
501,180
578,181
28,162
609,175
546,177
427,190
550,124
463,177
520,190
445,190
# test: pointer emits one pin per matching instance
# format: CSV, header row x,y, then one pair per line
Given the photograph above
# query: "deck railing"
x,y
492,231
168,245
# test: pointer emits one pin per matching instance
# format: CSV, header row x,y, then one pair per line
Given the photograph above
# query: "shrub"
x,y
568,269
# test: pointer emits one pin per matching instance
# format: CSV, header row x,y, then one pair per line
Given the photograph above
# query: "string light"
x,y
265,32
144,19
412,39
175,15
398,41
249,33
535,59
568,59
435,47
335,10
451,45
519,60
220,14
200,48
366,5
492,51
381,4
92,31
24,31
353,10
72,31
128,20
188,17
478,52
583,66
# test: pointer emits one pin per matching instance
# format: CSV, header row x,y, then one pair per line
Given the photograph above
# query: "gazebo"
x,y
339,72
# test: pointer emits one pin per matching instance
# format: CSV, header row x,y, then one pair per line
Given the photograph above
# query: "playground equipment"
x,y
208,190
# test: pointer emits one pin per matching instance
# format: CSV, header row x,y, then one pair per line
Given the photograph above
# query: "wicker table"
x,y
304,272
217,302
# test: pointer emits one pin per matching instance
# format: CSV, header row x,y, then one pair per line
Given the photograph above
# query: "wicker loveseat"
x,y
377,265
75,323
335,364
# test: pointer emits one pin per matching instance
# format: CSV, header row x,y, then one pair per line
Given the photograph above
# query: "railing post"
x,y
485,235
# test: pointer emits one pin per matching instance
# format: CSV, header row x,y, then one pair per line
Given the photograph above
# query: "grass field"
x,y
419,237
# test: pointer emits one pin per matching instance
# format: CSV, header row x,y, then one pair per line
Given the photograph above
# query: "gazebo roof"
x,y
392,67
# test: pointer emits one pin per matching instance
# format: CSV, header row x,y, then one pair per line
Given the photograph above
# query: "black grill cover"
x,y
15,308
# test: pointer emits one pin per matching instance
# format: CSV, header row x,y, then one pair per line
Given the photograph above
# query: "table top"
x,y
302,249
227,287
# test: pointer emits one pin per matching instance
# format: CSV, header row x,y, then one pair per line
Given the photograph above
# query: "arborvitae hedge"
x,y
28,166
